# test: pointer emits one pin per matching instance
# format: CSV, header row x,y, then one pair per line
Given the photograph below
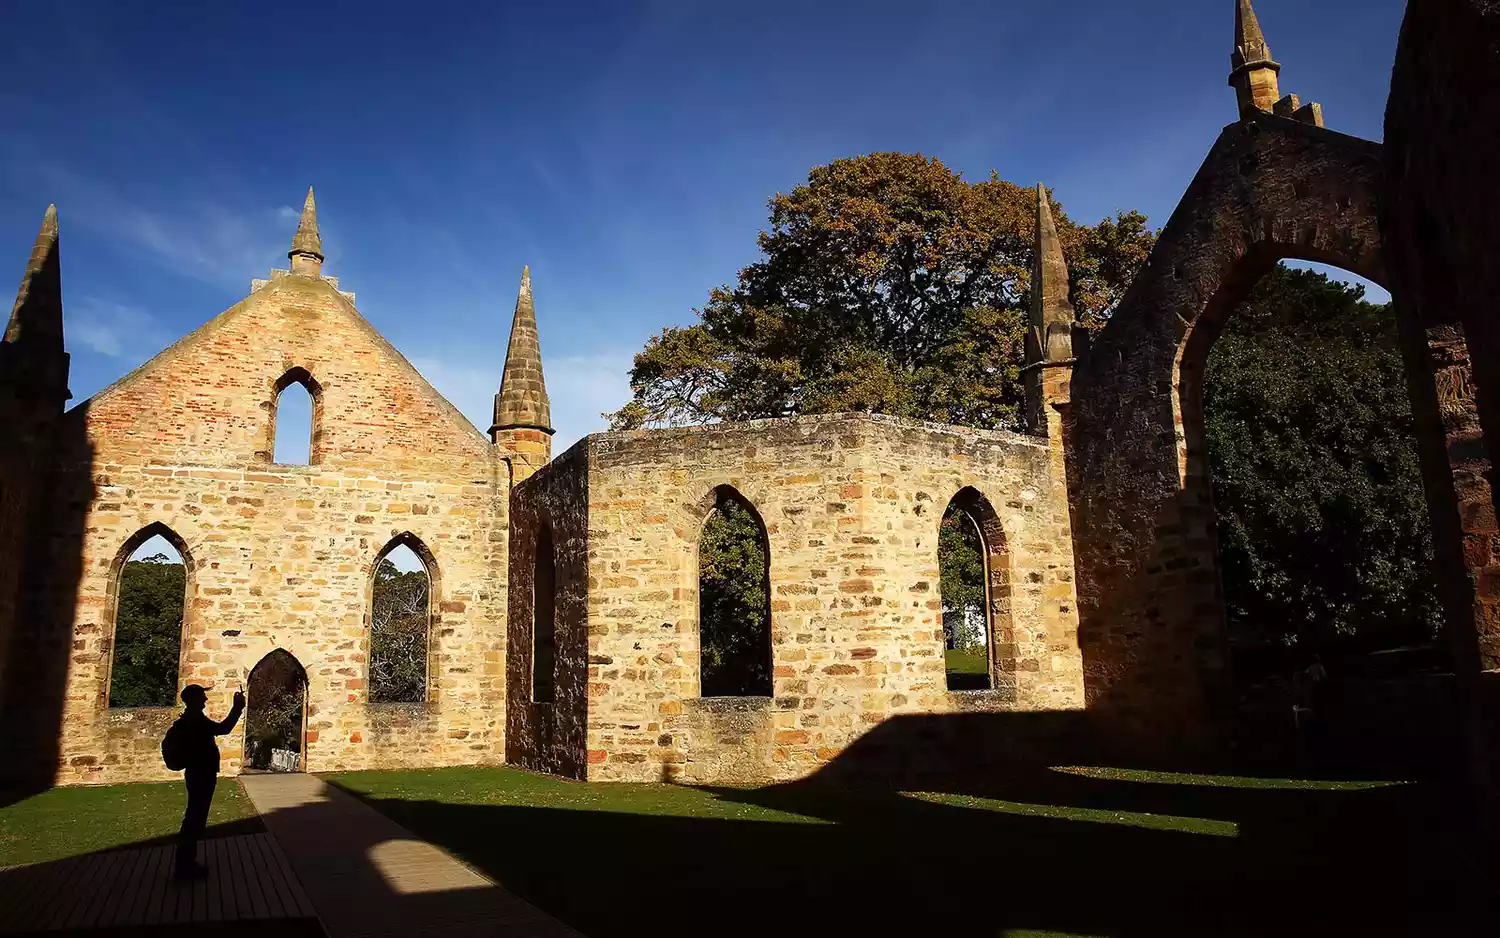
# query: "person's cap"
x,y
194,693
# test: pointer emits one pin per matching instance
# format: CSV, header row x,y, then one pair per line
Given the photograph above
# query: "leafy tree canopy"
x,y
148,633
888,284
1322,521
734,604
398,635
960,562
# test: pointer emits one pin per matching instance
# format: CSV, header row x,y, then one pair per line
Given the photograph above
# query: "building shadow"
x,y
1035,850
39,641
1052,847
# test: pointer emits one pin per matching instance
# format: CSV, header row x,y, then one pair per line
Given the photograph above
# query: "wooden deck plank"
x,y
18,893
261,878
258,908
276,875
133,911
243,907
20,890
109,880
268,889
226,880
108,888
198,909
272,878
54,894
120,888
74,896
301,906
186,892
161,892
81,898
140,876
215,909
234,907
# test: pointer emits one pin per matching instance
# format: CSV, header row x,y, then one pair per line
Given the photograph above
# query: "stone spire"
x,y
32,357
523,415
1254,72
306,254
1051,335
1049,340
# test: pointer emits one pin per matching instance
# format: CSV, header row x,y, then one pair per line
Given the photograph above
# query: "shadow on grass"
x,y
1043,852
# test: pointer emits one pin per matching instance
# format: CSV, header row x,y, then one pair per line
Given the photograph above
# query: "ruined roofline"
x,y
729,426
1192,197
169,354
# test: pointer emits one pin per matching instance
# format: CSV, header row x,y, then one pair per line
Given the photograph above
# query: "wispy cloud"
x,y
207,240
581,387
115,330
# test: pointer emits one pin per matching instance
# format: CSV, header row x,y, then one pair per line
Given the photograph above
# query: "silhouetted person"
x,y
190,746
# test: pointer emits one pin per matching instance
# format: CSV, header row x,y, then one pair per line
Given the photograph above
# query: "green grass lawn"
x,y
64,822
968,668
1066,851
966,661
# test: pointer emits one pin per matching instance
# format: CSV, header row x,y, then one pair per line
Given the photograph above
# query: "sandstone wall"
x,y
851,506
278,556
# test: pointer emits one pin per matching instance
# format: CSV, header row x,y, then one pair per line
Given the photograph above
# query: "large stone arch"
x,y
1150,599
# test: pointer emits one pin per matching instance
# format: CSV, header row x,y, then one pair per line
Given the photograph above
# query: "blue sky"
x,y
625,151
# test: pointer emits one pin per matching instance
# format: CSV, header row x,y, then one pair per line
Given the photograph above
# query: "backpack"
x,y
174,748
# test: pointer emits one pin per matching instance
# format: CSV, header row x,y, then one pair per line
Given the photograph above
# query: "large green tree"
x,y
888,284
1323,526
148,633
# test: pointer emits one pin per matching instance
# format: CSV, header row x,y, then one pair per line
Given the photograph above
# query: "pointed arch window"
x,y
150,601
403,585
974,584
296,420
734,600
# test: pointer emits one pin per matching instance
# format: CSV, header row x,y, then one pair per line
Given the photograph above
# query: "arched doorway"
x,y
1151,601
276,714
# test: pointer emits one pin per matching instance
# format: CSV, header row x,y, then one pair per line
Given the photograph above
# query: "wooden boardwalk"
x,y
133,889
369,876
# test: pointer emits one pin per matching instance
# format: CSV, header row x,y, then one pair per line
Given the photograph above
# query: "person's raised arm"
x,y
227,724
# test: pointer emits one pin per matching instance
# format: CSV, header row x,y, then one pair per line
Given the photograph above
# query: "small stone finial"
x,y
522,402
1050,338
1253,71
306,254
32,353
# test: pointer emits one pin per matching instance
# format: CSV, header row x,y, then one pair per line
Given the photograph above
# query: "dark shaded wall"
x,y
550,737
52,486
1442,229
1150,595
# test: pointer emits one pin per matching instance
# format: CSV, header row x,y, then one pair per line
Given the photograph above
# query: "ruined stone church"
x,y
563,626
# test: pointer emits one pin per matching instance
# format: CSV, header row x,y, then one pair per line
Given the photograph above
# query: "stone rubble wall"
x,y
1148,578
851,506
279,556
